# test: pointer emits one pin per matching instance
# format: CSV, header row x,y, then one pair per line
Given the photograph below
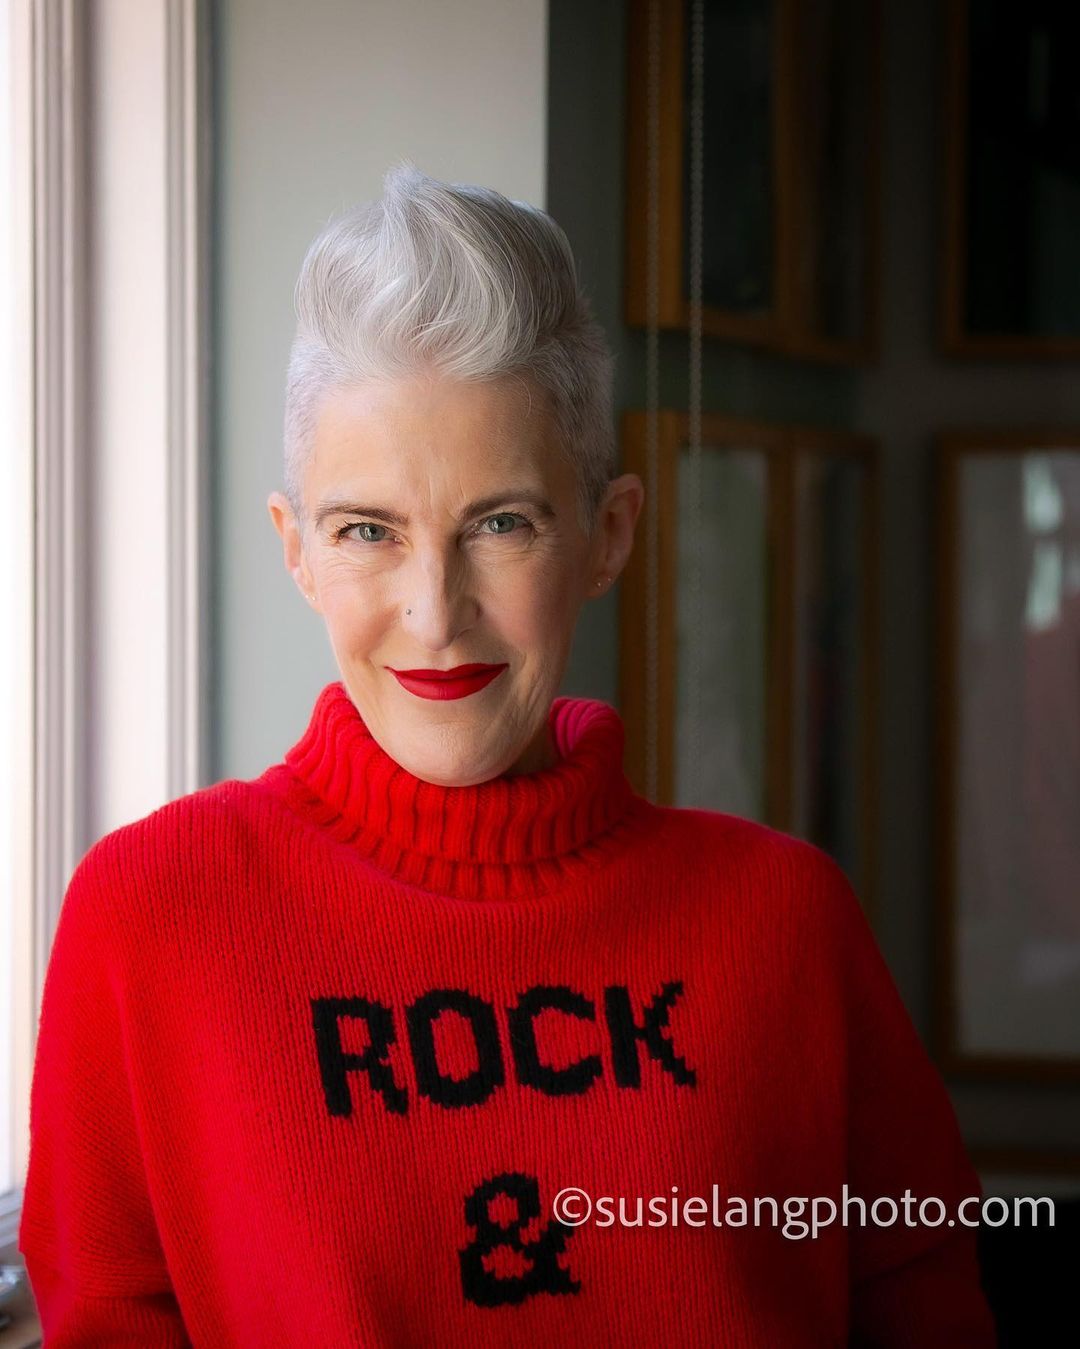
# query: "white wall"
x,y
313,103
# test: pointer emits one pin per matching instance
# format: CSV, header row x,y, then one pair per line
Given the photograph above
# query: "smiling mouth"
x,y
455,671
457,682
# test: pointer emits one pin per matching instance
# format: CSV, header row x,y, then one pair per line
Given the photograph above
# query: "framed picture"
x,y
790,143
1007,757
1012,180
765,698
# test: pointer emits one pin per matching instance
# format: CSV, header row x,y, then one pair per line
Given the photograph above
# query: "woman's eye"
x,y
507,522
346,530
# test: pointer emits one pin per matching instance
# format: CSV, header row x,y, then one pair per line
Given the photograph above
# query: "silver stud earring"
x,y
408,611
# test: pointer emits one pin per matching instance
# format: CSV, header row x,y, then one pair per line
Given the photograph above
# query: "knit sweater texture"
x,y
318,1050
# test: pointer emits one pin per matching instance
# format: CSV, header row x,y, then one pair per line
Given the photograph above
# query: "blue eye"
x,y
507,515
360,524
516,516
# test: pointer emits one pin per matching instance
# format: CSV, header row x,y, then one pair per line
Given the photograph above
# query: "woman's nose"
x,y
437,601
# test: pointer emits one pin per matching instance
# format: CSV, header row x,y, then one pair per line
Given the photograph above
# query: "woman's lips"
x,y
456,683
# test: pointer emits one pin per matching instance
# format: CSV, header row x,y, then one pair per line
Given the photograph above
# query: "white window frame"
x,y
20,654
112,214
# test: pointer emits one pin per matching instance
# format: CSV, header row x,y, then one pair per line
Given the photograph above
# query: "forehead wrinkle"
x,y
508,447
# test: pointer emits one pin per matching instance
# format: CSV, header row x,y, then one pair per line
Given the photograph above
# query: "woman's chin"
x,y
447,764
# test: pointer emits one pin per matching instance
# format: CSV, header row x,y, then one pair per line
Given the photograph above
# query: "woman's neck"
x,y
523,832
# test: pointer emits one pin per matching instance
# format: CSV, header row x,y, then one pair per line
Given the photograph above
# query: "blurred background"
x,y
835,245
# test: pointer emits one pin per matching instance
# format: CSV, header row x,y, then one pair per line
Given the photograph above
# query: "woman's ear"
x,y
616,520
292,542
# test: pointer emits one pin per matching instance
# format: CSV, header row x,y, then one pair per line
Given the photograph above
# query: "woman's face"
x,y
441,529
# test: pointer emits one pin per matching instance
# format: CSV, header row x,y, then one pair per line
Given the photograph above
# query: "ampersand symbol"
x,y
545,1274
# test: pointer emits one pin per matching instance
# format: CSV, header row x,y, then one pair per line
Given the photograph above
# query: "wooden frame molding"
x,y
950,1055
955,339
785,328
782,444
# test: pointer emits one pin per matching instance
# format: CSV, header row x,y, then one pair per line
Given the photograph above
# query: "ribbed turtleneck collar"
x,y
505,838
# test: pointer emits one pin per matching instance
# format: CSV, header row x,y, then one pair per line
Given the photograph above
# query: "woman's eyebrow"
x,y
489,503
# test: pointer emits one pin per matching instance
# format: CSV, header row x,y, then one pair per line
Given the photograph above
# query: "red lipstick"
x,y
457,682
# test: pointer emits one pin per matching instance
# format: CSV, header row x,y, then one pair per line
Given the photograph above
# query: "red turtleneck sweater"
x,y
317,1051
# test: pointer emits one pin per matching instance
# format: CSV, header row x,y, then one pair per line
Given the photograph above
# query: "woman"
x,y
342,1055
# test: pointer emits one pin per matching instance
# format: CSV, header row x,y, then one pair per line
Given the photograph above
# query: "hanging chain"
x,y
697,534
652,403
652,389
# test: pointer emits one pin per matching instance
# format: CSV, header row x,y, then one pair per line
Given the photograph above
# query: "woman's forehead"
x,y
503,407
473,437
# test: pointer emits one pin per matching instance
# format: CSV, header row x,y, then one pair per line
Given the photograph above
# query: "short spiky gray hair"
x,y
461,281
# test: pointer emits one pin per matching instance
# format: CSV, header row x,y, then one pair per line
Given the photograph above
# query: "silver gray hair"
x,y
460,281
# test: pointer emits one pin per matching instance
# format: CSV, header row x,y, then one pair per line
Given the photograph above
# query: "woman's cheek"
x,y
352,604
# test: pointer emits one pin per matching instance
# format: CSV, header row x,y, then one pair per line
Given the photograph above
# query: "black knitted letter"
x,y
334,1063
625,1032
569,1081
451,1091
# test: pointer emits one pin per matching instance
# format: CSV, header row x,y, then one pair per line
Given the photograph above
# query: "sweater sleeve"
x,y
912,1282
87,1230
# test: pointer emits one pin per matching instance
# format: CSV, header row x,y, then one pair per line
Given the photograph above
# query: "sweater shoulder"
x,y
739,839
183,821
177,846
768,865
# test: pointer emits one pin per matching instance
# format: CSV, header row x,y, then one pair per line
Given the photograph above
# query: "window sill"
x,y
24,1329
